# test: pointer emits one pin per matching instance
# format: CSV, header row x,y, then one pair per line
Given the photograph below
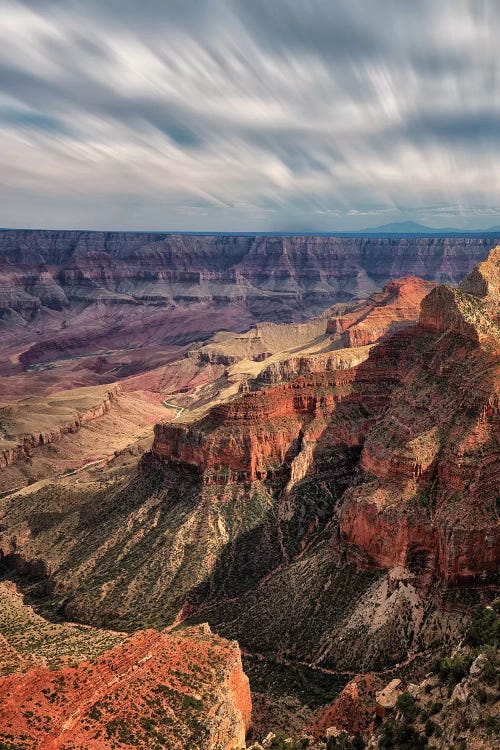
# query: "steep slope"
x,y
149,519
456,705
190,384
434,455
173,689
424,409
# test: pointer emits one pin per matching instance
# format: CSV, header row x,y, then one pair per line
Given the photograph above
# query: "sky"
x,y
249,115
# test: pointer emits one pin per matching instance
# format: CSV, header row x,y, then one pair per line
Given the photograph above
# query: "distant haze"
x,y
249,115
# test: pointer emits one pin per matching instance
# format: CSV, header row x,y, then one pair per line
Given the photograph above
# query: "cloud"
x,y
227,114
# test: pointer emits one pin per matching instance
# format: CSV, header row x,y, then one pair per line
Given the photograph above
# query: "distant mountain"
x,y
410,227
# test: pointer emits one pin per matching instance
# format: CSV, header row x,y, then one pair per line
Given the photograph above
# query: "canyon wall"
x,y
65,294
58,268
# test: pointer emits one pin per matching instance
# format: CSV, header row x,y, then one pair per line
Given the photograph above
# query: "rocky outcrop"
x,y
484,280
249,439
451,310
384,312
292,367
257,435
450,711
21,446
353,710
387,698
184,689
434,450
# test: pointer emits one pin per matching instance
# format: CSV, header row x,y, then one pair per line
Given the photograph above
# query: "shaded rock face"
x,y
434,453
384,312
352,330
484,280
181,690
254,436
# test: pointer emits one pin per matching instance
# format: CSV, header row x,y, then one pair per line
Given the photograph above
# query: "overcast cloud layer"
x,y
249,114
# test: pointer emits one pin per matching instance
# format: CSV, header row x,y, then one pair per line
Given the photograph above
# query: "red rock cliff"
x,y
424,406
433,452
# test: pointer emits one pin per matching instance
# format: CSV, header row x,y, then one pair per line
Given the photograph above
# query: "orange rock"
x,y
179,689
384,312
353,710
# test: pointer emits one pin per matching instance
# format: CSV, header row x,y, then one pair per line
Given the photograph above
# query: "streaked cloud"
x,y
236,115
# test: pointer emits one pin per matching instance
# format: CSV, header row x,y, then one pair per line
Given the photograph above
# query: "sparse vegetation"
x,y
452,669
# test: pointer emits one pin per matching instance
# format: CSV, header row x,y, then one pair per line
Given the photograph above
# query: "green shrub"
x,y
191,702
386,737
452,669
430,728
484,628
406,704
489,673
482,696
435,708
407,738
342,742
401,737
492,725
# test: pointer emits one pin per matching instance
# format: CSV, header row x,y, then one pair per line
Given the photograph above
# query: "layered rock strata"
x,y
48,277
424,408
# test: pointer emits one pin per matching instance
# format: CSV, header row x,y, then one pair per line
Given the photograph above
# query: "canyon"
x,y
83,294
294,440
424,410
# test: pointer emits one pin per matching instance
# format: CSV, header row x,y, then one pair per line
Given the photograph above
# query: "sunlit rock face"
x,y
357,496
183,689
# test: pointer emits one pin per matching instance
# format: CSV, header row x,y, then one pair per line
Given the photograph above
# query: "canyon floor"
x,y
320,488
